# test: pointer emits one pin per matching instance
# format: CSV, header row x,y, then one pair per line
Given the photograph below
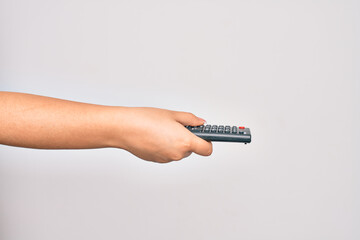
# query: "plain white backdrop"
x,y
289,70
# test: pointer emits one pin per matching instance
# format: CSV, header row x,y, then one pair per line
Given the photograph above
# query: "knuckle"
x,y
183,147
176,157
186,144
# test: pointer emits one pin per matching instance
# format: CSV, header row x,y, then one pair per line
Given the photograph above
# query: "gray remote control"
x,y
221,133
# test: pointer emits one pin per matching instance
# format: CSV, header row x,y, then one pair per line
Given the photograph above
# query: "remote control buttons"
x,y
234,130
221,133
227,129
213,128
207,128
221,129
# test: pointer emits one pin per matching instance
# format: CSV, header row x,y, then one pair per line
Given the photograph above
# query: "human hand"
x,y
158,135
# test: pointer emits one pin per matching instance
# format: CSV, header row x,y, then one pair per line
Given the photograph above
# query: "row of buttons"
x,y
217,129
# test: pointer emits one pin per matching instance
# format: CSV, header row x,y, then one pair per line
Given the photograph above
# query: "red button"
x,y
241,127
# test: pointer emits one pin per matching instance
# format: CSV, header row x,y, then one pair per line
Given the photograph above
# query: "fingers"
x,y
198,145
201,147
188,119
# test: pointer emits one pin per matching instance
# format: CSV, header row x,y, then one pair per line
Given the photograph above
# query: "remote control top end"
x,y
222,133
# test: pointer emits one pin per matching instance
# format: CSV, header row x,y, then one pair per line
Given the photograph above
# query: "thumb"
x,y
188,119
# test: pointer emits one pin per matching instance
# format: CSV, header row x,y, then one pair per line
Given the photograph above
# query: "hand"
x,y
159,135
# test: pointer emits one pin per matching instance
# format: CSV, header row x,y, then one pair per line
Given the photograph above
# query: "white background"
x,y
289,70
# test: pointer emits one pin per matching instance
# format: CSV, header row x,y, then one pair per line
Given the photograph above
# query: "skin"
x,y
33,121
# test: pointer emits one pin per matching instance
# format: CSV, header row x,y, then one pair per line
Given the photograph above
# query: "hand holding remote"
x,y
159,135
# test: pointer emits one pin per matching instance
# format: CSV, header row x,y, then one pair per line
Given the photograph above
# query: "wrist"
x,y
115,125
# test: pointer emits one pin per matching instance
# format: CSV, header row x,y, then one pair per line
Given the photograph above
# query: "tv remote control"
x,y
221,133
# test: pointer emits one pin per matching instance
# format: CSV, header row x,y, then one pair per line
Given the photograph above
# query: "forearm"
x,y
42,122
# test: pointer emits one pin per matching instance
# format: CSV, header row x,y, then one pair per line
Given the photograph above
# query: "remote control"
x,y
221,133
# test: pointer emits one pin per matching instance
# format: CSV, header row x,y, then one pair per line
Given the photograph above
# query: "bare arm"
x,y
41,122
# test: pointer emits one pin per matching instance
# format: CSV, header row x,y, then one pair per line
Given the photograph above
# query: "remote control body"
x,y
221,133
